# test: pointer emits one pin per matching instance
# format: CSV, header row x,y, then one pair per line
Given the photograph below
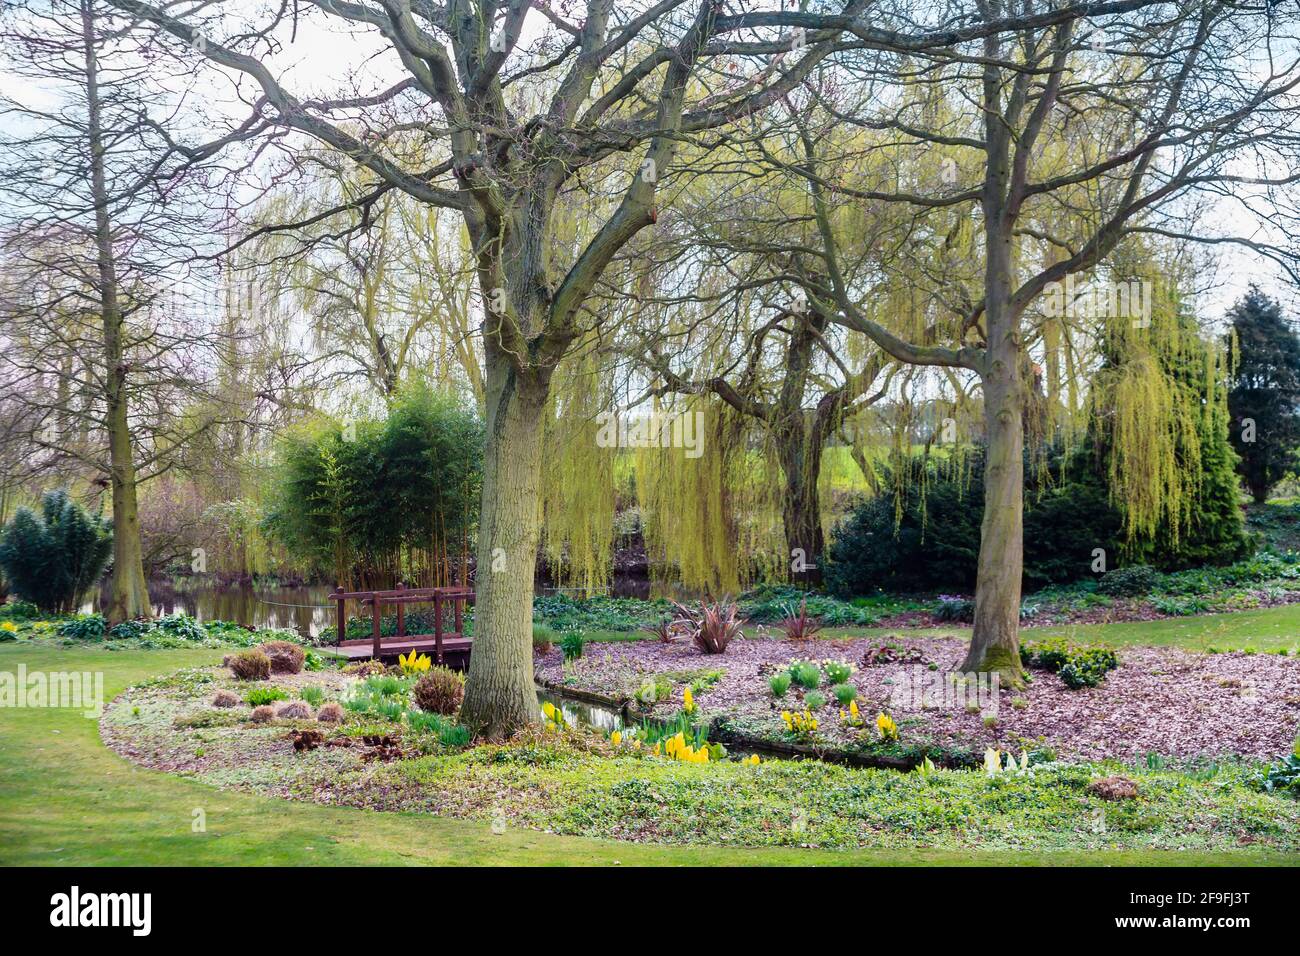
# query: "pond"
x,y
306,610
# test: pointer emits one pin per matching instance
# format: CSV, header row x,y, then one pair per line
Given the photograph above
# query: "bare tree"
x,y
91,353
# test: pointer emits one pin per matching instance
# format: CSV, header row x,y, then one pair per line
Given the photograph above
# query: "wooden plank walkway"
x,y
453,647
444,645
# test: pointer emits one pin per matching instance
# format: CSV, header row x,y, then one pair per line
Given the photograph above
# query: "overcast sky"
x,y
329,58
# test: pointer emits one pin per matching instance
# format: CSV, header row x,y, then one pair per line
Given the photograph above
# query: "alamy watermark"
x,y
652,430
1119,300
76,690
925,689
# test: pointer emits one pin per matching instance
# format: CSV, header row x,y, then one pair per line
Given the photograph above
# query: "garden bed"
x,y
585,784
1159,701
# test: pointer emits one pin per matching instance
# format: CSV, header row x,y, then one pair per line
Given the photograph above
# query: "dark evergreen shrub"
x,y
51,559
1133,581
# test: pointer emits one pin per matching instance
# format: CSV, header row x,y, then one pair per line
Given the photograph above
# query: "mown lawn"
x,y
67,800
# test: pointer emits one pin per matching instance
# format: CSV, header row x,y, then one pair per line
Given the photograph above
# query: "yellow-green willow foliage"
x,y
1159,394
577,497
712,522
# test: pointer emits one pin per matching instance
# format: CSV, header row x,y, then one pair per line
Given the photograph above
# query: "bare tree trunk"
x,y
129,595
500,695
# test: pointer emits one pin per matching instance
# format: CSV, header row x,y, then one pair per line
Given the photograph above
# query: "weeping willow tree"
x,y
578,486
1159,421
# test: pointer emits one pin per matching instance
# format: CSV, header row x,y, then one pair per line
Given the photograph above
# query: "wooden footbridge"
x,y
445,646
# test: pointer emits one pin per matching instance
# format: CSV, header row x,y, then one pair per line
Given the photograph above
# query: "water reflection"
x,y
581,712
306,610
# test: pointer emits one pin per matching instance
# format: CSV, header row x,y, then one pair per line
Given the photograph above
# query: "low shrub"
x,y
312,694
1133,581
130,630
224,698
954,609
1077,666
440,691
250,665
19,610
1088,667
262,714
285,658
814,700
182,626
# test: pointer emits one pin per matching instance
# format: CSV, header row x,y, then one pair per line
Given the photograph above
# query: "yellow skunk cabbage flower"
x,y
752,760
616,738
413,663
8,626
688,701
992,761
887,727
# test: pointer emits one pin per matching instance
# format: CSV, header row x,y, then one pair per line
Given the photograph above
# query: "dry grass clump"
x,y
330,713
294,710
250,665
286,658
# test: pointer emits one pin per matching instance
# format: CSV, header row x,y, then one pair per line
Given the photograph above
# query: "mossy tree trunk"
x,y
500,695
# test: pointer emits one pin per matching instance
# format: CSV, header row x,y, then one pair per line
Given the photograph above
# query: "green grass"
x,y
68,800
